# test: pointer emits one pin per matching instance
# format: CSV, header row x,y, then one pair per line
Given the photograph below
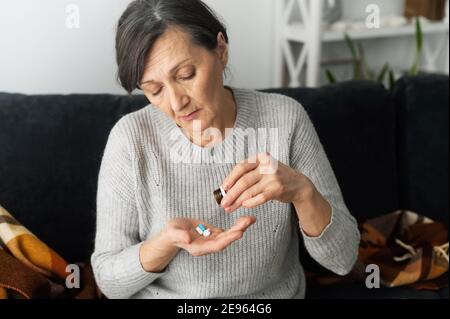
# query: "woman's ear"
x,y
222,49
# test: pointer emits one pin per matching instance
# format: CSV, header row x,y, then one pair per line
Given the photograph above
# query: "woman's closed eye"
x,y
156,93
187,77
184,77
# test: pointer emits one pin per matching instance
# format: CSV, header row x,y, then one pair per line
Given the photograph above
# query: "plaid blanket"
x,y
407,248
30,269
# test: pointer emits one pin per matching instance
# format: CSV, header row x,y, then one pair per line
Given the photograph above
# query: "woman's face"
x,y
181,78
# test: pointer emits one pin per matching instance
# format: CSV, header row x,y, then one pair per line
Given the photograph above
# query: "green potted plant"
x,y
362,71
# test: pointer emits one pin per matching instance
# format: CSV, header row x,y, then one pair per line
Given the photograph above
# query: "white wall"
x,y
250,26
40,55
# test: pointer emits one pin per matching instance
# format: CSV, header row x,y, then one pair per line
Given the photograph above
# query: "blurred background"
x,y
67,46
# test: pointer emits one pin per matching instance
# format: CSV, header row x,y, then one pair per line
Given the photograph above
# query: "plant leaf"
x,y
419,46
330,76
391,80
355,56
382,75
351,46
367,73
419,35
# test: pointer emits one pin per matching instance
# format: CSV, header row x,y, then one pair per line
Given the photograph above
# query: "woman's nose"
x,y
178,99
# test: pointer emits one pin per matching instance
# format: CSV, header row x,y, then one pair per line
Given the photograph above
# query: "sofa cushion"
x,y
423,134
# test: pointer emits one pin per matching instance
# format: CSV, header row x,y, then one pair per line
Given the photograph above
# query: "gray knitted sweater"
x,y
151,173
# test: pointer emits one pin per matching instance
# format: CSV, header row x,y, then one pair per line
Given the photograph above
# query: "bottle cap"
x,y
219,194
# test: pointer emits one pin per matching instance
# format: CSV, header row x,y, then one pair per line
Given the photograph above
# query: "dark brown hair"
x,y
144,21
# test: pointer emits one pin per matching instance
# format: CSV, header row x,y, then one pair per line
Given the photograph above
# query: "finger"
x,y
239,170
242,223
226,238
257,200
247,194
245,182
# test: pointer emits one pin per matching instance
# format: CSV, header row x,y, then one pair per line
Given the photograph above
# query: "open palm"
x,y
186,237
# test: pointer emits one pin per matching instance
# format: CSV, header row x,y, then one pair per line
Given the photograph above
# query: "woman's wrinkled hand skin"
x,y
262,178
181,233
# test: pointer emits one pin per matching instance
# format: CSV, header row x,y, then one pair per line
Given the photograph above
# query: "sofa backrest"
x,y
423,133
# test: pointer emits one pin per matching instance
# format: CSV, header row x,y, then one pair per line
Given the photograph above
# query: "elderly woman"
x,y
160,168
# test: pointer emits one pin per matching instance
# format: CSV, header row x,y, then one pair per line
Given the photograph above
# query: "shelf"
x,y
296,32
303,64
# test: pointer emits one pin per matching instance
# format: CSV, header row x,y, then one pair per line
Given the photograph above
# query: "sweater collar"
x,y
227,151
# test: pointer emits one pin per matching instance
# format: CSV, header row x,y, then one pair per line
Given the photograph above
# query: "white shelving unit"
x,y
311,36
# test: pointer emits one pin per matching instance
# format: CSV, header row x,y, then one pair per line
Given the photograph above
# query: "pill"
x,y
199,230
202,230
202,227
206,233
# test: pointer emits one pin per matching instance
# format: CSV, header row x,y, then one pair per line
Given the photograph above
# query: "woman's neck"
x,y
226,118
228,113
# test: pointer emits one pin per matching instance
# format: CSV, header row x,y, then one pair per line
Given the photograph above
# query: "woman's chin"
x,y
197,125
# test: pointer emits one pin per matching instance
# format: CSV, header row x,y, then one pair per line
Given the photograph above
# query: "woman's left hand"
x,y
262,178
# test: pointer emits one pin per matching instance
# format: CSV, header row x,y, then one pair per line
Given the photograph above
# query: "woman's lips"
x,y
190,116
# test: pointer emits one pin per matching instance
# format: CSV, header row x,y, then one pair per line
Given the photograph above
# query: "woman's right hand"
x,y
181,233
156,253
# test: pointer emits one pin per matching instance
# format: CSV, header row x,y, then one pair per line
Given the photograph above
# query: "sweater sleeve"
x,y
115,261
336,248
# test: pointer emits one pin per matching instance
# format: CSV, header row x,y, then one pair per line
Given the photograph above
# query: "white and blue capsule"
x,y
202,230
